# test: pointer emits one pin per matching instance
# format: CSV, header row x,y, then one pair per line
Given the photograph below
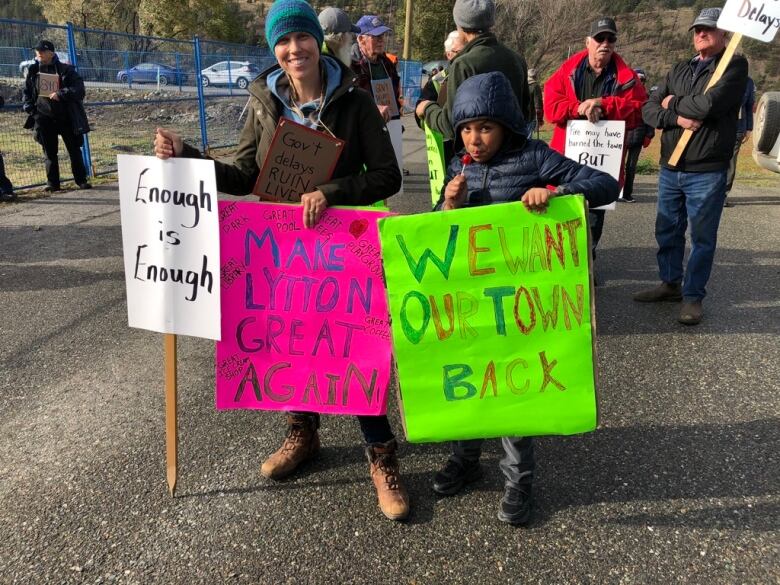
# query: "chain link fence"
x,y
134,85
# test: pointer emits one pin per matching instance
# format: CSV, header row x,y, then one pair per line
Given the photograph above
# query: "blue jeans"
x,y
683,198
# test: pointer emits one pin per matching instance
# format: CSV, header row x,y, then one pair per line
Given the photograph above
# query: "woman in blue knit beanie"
x,y
317,91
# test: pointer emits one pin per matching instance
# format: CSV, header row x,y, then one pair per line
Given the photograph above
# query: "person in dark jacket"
x,y
6,187
744,128
374,68
318,91
694,189
482,53
637,138
506,166
58,113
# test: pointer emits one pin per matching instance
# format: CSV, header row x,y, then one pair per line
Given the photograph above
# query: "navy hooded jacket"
x,y
520,164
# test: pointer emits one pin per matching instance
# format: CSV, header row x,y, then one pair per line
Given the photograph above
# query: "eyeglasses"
x,y
601,37
698,30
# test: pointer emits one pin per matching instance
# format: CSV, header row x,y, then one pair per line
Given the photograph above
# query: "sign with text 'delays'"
x,y
299,159
758,19
170,237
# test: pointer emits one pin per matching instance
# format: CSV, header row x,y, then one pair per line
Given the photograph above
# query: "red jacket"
x,y
623,103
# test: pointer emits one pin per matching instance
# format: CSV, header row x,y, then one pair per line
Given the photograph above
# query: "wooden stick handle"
x,y
171,430
724,62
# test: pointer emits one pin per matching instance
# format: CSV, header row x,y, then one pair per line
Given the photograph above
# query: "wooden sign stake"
x,y
171,432
724,62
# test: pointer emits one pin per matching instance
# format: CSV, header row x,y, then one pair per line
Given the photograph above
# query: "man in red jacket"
x,y
594,84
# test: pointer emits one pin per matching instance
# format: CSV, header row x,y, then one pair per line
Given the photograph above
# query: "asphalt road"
x,y
680,484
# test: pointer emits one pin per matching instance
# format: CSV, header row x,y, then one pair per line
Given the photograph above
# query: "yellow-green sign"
x,y
437,166
492,320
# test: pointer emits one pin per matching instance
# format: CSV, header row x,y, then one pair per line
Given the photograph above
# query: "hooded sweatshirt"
x,y
520,164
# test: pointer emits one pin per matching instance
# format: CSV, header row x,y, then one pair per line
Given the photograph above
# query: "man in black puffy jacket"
x,y
56,111
693,190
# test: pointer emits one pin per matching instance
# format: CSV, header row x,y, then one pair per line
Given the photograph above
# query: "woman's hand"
x,y
455,193
536,199
314,205
167,144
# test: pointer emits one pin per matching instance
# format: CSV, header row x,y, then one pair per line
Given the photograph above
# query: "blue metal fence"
x,y
134,85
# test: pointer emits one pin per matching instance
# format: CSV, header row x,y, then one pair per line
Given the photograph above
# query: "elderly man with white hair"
x,y
339,34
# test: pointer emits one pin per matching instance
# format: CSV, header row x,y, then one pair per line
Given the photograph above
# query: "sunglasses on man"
x,y
601,37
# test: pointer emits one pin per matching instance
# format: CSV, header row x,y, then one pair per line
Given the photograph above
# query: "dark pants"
x,y
632,159
47,132
733,163
376,429
596,219
5,182
517,464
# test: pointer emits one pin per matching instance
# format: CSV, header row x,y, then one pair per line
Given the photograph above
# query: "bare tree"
x,y
545,32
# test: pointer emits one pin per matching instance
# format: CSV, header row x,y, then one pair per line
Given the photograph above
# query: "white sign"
x,y
395,129
170,236
599,146
758,19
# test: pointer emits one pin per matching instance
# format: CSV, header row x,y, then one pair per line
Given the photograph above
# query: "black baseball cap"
x,y
604,24
44,46
707,17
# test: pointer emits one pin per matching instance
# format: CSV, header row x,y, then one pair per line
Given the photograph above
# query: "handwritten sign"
x,y
304,314
434,146
384,95
170,239
48,83
599,146
758,19
492,320
299,159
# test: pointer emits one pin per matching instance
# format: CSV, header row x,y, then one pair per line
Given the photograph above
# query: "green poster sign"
x,y
492,320
437,166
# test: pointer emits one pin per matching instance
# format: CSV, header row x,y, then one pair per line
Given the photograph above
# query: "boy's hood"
x,y
488,95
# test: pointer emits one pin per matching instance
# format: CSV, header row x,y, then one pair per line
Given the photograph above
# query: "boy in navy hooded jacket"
x,y
505,166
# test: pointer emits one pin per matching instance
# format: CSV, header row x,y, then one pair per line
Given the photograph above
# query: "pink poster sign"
x,y
304,313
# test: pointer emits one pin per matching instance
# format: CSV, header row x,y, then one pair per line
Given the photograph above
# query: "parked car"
x,y
25,65
239,73
429,67
149,73
766,132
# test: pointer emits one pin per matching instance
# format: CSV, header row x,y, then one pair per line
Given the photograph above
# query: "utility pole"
x,y
408,31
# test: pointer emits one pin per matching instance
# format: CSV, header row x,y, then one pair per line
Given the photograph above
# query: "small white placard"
x,y
598,145
757,19
170,236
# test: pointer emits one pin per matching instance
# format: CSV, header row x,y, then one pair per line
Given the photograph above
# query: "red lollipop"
x,y
466,160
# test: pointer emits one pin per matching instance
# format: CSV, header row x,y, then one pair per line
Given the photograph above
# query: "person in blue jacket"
x,y
506,166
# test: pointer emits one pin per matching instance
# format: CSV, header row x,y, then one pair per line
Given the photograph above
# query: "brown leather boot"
x,y
301,444
664,292
391,493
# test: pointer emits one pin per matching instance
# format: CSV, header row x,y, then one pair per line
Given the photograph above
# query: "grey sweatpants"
x,y
517,464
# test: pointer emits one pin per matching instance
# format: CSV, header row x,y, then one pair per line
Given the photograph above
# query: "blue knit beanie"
x,y
289,16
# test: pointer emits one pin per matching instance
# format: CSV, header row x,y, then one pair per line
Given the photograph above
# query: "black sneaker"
x,y
7,196
516,505
85,185
450,480
52,188
627,199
